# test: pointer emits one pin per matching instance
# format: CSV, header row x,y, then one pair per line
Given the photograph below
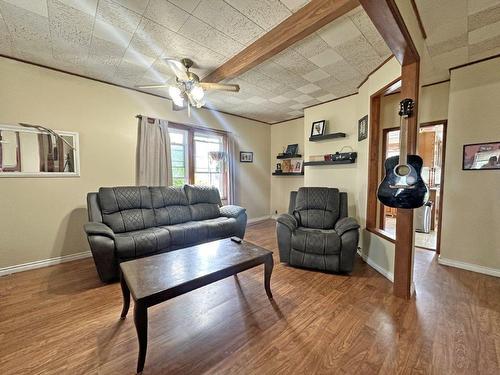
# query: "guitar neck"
x,y
403,139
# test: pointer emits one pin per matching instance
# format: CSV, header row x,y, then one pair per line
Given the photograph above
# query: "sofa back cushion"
x,y
126,208
204,202
317,207
170,205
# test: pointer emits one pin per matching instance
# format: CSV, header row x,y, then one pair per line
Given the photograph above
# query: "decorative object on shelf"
x,y
246,157
292,150
326,136
481,156
316,157
338,157
278,169
286,166
363,128
297,166
318,128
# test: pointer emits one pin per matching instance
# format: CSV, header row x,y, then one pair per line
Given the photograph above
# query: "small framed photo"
x,y
318,128
246,157
363,128
297,165
292,149
481,156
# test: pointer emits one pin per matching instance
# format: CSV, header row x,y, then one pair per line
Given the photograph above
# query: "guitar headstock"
x,y
406,107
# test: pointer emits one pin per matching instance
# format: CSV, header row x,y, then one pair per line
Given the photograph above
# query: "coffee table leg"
x,y
141,326
268,269
126,297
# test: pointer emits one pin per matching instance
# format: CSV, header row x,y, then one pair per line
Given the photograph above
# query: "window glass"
x,y
179,154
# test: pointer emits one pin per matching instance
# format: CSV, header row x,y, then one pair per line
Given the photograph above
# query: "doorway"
x,y
431,148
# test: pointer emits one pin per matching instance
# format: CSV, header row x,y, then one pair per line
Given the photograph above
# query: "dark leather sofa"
x,y
137,221
316,232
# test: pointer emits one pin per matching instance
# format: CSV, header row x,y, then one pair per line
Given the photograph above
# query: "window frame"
x,y
191,131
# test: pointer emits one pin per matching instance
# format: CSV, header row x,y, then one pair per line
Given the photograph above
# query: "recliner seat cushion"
x,y
317,208
127,208
170,205
220,227
142,242
313,248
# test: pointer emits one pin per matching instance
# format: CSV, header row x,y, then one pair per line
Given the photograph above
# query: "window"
x,y
199,157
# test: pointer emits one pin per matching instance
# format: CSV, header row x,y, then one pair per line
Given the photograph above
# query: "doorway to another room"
x,y
431,146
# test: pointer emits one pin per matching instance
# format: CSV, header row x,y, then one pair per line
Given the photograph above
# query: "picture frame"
x,y
297,165
481,156
318,128
292,149
286,166
246,157
363,128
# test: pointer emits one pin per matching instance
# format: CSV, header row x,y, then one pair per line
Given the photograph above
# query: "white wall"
x,y
471,207
42,218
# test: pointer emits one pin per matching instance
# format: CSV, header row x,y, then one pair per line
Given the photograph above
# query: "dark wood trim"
x,y
307,20
280,122
436,83
382,233
120,86
332,100
387,19
374,70
373,157
419,19
474,62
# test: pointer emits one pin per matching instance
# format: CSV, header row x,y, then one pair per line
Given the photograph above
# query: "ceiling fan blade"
x,y
178,69
158,86
219,86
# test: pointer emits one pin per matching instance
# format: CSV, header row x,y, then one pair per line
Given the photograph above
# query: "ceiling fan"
x,y
188,91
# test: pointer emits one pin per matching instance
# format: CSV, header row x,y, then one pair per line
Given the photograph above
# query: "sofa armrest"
x,y
288,220
346,224
98,229
232,211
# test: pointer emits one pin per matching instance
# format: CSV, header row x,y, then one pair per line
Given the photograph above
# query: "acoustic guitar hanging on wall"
x,y
403,186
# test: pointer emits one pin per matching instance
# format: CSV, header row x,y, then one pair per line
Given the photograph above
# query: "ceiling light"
x,y
197,93
176,95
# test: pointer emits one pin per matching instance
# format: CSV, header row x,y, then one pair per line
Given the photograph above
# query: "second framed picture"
x,y
246,157
318,128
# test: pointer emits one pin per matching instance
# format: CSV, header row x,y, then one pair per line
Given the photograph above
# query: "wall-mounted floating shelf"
x,y
288,156
330,162
288,174
327,136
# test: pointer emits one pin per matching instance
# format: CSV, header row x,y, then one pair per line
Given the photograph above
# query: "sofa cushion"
x,y
170,205
317,207
220,227
202,194
141,242
187,233
126,208
204,211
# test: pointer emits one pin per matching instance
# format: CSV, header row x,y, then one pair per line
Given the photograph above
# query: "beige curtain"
x,y
231,160
154,167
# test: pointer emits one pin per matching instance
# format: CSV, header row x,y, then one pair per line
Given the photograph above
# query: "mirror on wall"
x,y
36,152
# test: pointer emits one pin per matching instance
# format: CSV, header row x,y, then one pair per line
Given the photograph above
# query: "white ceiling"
x,y
121,41
458,32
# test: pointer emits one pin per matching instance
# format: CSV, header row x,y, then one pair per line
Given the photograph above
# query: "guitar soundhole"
x,y
402,170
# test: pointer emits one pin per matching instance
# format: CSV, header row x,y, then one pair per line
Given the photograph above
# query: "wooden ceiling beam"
x,y
310,18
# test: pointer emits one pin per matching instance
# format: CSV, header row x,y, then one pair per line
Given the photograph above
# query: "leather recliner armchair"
x,y
316,232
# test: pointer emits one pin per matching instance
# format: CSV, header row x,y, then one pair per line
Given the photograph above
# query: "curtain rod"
x,y
189,125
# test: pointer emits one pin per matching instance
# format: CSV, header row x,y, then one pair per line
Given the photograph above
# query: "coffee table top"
x,y
195,265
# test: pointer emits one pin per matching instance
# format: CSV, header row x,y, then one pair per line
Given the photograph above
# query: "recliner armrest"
x,y
98,229
288,220
232,211
346,224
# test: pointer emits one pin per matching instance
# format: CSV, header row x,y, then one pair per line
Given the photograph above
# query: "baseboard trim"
x,y
258,219
388,275
43,263
469,266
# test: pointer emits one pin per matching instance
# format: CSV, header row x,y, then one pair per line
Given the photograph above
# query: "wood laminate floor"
x,y
62,320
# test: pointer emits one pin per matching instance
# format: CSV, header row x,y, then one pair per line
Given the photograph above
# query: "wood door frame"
x,y
381,219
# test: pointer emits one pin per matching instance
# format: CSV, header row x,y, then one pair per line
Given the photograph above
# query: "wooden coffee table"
x,y
158,278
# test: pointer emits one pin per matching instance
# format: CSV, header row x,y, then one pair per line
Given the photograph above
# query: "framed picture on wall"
x,y
363,128
246,157
318,128
481,156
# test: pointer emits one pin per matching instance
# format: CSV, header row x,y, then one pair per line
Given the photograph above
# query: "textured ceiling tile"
x,y
26,28
327,57
166,14
481,48
294,5
103,52
135,57
280,74
5,39
210,37
310,46
366,27
265,13
484,33
117,16
483,18
188,5
70,53
36,6
309,88
69,24
474,6
294,62
112,34
86,6
151,38
327,97
256,100
451,58
338,31
303,98
315,75
360,54
138,6
153,76
443,19
228,20
296,106
341,71
279,99
448,45
260,80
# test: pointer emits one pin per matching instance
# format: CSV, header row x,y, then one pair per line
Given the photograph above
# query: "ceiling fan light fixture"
x,y
176,95
197,93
